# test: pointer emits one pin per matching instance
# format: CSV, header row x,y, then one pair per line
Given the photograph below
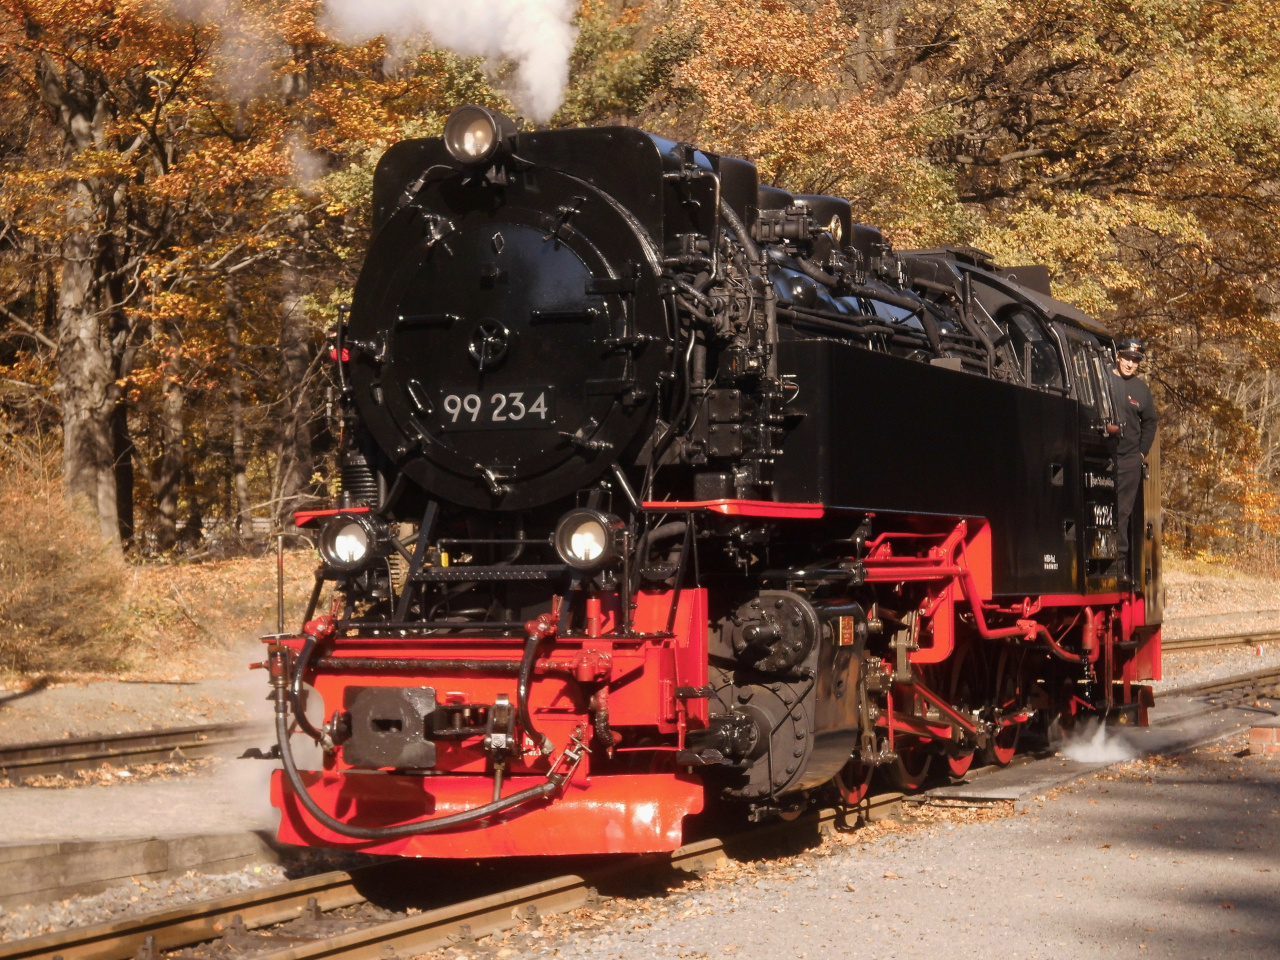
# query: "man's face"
x,y
1127,366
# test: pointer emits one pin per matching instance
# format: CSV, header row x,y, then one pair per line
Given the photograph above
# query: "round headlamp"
x,y
588,539
473,134
348,542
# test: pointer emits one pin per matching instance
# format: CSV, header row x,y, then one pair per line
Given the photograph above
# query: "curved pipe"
x,y
737,226
930,324
295,690
522,691
758,268
1026,629
814,272
399,830
1042,633
663,531
880,296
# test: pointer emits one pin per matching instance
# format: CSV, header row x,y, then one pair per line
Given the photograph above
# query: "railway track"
x,y
65,757
312,918
1237,687
1214,641
331,915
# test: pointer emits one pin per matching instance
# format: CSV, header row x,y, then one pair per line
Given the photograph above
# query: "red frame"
x,y
743,508
642,810
303,518
593,813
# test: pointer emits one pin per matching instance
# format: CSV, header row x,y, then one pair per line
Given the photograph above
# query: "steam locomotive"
x,y
663,489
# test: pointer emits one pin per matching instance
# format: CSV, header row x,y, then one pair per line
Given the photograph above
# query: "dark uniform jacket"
x,y
1136,412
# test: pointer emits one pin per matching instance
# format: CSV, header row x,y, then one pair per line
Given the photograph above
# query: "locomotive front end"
x,y
485,690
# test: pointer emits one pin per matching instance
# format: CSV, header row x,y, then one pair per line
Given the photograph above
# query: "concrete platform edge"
x,y
52,870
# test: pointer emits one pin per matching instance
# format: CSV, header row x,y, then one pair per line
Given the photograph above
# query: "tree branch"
x,y
17,320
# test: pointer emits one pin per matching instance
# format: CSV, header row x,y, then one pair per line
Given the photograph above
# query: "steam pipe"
x,y
1026,629
814,272
525,678
761,270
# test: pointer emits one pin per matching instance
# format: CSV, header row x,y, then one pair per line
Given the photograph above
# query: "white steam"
x,y
1092,742
308,166
536,35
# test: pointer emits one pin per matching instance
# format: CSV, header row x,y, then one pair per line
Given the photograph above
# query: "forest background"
x,y
184,202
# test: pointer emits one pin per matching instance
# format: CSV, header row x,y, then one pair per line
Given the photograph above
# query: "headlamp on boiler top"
x,y
588,539
474,134
348,542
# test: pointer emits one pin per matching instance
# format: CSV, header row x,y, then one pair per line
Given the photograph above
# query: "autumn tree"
x,y
184,202
175,176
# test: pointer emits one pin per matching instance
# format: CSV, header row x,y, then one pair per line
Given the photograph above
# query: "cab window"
x,y
1100,365
1088,372
1082,367
1035,351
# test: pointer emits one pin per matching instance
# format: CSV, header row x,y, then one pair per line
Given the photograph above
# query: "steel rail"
x,y
1213,641
194,922
460,922
1246,683
146,746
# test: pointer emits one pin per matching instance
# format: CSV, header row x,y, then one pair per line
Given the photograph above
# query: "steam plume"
x,y
537,35
1092,742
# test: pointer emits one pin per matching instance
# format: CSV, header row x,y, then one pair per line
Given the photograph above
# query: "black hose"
x,y
522,692
731,217
930,324
880,296
295,690
430,825
814,272
663,531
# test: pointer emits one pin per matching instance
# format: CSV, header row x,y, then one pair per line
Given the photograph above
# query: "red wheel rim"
x,y
959,766
1004,746
1005,743
853,782
911,769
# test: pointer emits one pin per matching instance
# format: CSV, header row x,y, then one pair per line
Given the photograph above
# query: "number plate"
x,y
494,410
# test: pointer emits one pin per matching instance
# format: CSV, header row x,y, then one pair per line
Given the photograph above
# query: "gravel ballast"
x,y
1174,858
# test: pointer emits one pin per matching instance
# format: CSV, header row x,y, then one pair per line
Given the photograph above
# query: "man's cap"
x,y
1131,348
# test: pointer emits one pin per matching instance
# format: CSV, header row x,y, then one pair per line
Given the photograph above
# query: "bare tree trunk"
x,y
235,387
297,463
124,451
85,379
96,452
167,473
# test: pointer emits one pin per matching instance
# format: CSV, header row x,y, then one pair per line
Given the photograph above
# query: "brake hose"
x,y
295,690
538,630
547,787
